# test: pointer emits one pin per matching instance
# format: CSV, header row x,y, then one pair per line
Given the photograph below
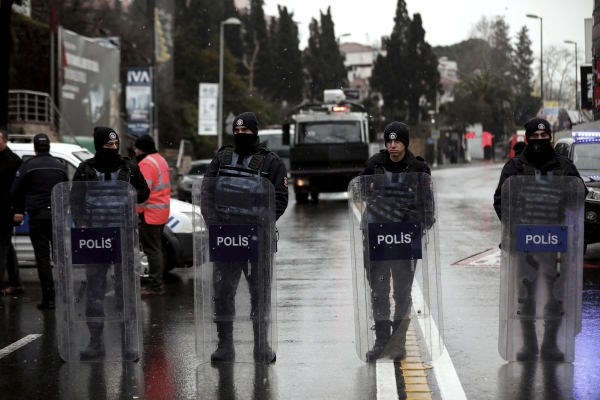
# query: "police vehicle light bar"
x,y
586,136
339,108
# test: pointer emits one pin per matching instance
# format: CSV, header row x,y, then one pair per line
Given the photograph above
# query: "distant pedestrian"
x,y
32,192
486,143
518,148
154,212
9,165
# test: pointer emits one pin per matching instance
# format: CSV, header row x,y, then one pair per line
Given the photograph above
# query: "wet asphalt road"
x,y
316,357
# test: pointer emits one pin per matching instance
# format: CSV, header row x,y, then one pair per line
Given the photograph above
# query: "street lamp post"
x,y
541,56
228,21
338,64
576,87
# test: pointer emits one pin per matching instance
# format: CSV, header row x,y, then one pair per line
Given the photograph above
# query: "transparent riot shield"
x,y
541,268
395,267
234,235
96,252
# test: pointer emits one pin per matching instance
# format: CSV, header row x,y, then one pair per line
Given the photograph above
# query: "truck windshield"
x,y
587,156
329,132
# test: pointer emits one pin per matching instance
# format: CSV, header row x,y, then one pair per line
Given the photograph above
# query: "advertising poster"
x,y
587,88
139,100
207,108
89,94
551,113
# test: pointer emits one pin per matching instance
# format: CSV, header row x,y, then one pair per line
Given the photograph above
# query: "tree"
x,y
468,54
502,52
288,76
390,73
257,55
421,68
323,60
481,98
525,105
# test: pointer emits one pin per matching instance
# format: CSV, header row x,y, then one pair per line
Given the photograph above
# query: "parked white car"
x,y
177,239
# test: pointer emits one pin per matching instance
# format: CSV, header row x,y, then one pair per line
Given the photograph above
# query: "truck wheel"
x,y
314,197
301,198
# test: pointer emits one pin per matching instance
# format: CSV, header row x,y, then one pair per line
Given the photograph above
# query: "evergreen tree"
x,y
323,60
390,73
421,71
502,52
288,77
525,104
257,56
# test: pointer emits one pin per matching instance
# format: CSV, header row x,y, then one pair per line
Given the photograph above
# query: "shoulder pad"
x,y
265,150
420,158
224,147
127,158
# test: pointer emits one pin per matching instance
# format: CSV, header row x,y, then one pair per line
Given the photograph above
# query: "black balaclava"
x,y
245,143
539,151
106,159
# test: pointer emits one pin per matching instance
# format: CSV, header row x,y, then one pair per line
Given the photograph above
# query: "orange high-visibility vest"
x,y
156,172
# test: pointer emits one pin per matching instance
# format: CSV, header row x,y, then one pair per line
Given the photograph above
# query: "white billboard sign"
x,y
207,108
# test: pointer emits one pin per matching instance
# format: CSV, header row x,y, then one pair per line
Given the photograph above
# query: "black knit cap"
x,y
247,119
41,139
145,143
396,131
537,124
103,134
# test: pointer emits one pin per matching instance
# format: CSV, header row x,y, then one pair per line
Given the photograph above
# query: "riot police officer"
x,y
394,203
100,208
538,158
248,158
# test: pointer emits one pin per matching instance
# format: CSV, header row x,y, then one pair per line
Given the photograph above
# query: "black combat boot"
x,y
95,350
549,350
382,337
263,354
398,340
225,351
529,351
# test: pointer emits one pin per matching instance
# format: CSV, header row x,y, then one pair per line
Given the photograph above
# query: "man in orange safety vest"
x,y
154,213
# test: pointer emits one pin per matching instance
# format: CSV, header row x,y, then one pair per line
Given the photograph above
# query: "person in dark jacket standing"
x,y
9,165
106,165
538,158
32,192
395,159
248,158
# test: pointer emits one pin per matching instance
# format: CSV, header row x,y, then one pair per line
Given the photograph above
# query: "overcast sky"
x,y
445,21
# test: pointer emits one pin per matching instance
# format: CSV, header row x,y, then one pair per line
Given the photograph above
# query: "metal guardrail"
x,y
31,106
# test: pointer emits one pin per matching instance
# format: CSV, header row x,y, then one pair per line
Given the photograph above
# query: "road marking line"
x,y
18,344
386,381
488,258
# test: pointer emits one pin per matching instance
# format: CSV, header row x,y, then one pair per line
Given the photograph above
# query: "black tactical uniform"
x,y
32,191
100,208
249,158
538,159
393,199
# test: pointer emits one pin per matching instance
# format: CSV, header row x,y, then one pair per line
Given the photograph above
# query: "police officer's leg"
x,y
226,277
549,350
96,276
379,277
527,290
41,239
8,259
150,238
259,281
402,277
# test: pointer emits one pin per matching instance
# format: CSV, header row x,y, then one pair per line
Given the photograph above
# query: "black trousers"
x,y
226,278
8,258
382,276
151,240
40,231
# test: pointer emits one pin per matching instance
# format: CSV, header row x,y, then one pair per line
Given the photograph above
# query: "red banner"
x,y
596,97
